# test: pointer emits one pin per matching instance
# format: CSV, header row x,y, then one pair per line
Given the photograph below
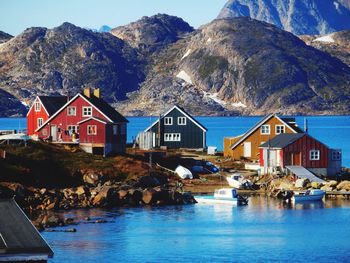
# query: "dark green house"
x,y
178,129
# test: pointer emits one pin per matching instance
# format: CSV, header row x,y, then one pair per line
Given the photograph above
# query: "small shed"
x,y
19,239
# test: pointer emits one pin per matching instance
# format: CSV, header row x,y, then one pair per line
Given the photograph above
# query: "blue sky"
x,y
17,15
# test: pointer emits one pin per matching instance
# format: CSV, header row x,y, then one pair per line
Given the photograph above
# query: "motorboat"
x,y
223,196
237,180
308,195
183,172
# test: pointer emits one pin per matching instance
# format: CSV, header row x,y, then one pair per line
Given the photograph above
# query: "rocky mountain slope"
x,y
299,17
43,61
243,66
337,44
4,37
10,106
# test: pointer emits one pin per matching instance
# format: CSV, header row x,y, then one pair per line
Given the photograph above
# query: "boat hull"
x,y
303,198
213,200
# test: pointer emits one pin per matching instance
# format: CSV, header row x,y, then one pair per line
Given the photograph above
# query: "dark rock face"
x,y
10,106
246,66
299,17
153,33
43,61
4,37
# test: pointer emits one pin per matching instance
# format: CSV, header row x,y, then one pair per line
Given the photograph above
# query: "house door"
x,y
297,158
247,149
53,133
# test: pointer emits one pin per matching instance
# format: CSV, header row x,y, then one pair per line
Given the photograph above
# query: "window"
x,y
37,106
279,129
91,130
115,129
71,111
181,120
314,155
87,111
172,137
168,121
336,155
73,128
265,129
40,122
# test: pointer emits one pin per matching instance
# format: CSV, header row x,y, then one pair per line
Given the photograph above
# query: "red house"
x,y
300,154
89,121
43,108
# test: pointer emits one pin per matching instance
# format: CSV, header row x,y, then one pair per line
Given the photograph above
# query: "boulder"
x,y
108,196
316,185
92,178
135,197
147,181
81,190
327,188
149,196
302,182
344,185
332,183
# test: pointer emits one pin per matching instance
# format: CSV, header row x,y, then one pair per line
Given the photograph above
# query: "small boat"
x,y
15,136
183,172
237,181
309,195
223,196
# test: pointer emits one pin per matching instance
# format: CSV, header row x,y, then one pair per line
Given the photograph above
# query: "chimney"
x,y
97,93
87,92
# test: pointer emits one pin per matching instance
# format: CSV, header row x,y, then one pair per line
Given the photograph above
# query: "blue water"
x,y
264,231
331,130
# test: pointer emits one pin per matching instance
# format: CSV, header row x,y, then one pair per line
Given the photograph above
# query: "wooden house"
x,y
43,107
19,239
247,145
89,121
297,152
178,129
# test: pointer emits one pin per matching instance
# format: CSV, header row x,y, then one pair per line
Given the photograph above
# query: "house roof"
x,y
184,113
107,109
282,140
53,103
261,122
99,104
17,233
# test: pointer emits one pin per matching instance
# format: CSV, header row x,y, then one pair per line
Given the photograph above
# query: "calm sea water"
x,y
264,231
331,130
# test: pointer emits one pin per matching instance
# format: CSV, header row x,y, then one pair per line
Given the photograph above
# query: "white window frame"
x,y
73,128
172,137
280,126
315,155
336,155
181,120
86,110
37,106
40,122
168,120
262,130
69,113
91,130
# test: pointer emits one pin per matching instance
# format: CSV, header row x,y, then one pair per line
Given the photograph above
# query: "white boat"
x,y
183,172
222,196
237,181
309,195
15,136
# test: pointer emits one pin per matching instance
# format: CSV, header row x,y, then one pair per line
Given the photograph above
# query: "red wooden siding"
x,y
304,145
33,116
62,120
261,157
100,136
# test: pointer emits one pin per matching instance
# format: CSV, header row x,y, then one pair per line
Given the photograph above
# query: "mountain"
x,y
43,61
337,44
105,29
150,34
10,106
310,17
4,37
243,66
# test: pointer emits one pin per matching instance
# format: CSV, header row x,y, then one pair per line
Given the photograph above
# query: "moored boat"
x,y
309,195
183,172
236,180
223,196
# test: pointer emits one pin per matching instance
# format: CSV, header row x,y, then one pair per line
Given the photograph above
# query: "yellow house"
x,y
247,145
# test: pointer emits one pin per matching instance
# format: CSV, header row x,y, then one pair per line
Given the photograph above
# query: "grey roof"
x,y
17,234
282,140
53,103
